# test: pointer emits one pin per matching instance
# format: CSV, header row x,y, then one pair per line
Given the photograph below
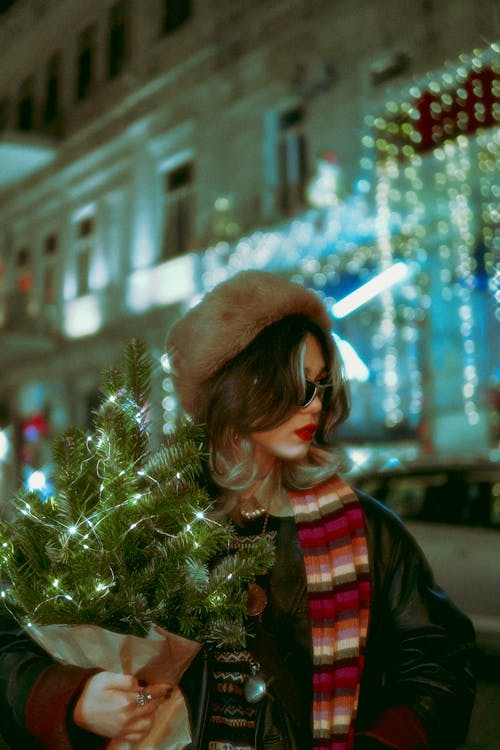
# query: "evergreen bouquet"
x,y
123,567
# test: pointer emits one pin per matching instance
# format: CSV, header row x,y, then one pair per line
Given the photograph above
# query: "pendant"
x,y
255,687
256,600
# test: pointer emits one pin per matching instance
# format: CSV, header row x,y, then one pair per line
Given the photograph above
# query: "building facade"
x,y
149,150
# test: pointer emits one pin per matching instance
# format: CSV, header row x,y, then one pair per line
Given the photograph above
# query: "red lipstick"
x,y
307,432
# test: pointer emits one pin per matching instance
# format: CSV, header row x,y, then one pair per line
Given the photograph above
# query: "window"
x,y
4,114
5,5
49,288
175,13
85,63
85,242
2,293
178,212
117,39
51,111
292,161
26,107
23,265
20,307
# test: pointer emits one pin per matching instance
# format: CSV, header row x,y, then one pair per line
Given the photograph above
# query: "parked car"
x,y
453,511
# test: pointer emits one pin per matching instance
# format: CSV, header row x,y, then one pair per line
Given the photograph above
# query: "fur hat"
x,y
226,320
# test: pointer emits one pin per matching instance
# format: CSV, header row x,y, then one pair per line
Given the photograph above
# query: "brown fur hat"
x,y
226,320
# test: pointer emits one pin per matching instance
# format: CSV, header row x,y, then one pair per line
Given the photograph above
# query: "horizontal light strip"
x,y
368,291
355,368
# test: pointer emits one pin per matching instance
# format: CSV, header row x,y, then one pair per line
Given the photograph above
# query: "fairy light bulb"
x,y
165,362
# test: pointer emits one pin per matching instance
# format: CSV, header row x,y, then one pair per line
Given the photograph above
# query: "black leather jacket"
x,y
417,654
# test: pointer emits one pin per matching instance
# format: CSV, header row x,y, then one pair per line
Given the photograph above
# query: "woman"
x,y
352,645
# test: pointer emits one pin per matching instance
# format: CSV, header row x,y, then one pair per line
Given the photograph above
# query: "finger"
x,y
132,739
137,712
137,730
161,690
119,745
114,681
146,696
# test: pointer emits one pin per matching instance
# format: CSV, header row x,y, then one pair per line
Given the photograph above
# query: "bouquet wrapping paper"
x,y
161,656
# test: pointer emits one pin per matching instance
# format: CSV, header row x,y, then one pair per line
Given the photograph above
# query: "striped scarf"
x,y
333,541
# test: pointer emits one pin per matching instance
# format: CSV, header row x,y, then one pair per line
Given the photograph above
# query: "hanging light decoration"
x,y
438,140
385,338
169,401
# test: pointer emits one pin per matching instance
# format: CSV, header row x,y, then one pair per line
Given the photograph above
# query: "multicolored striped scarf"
x,y
333,541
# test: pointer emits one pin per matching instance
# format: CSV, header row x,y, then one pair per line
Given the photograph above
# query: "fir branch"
x,y
75,477
138,368
127,540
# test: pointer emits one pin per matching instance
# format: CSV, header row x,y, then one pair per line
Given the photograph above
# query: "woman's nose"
x,y
316,404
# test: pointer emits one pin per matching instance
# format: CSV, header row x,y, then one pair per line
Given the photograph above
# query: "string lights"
x,y
126,540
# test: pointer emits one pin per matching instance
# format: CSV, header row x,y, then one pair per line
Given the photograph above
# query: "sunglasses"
x,y
313,389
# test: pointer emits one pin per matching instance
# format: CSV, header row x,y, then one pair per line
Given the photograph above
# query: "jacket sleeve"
x,y
37,696
417,682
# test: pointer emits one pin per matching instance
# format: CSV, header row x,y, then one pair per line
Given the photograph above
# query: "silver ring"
x,y
143,698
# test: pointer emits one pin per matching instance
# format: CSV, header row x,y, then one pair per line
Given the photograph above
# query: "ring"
x,y
142,698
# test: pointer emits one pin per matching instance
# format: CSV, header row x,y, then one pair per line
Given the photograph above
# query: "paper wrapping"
x,y
161,656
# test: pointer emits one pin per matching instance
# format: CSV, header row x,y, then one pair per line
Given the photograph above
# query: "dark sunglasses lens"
x,y
309,394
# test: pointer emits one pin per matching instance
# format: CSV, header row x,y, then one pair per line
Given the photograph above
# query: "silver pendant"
x,y
255,687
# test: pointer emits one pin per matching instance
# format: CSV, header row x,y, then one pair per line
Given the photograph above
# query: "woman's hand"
x,y
108,706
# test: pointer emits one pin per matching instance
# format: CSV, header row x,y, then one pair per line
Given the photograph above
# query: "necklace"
x,y
256,596
257,501
251,509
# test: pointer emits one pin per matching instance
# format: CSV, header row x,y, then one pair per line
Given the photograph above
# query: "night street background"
x,y
150,150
